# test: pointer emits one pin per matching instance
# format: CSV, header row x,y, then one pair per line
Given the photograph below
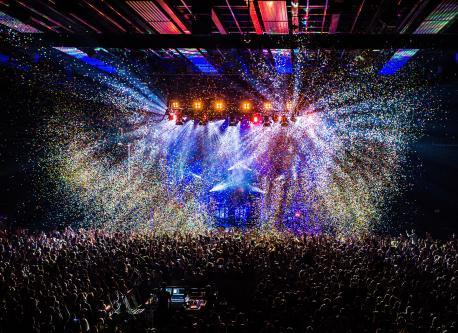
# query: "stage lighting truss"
x,y
197,106
202,111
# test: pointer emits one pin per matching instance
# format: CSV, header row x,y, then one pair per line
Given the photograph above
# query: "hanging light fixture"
x,y
219,105
197,105
174,105
246,106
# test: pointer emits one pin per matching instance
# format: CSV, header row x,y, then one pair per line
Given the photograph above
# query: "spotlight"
x,y
197,105
175,105
283,121
219,105
256,119
266,121
275,118
233,121
267,106
246,106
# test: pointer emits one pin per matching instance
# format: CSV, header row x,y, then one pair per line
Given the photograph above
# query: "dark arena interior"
x,y
229,166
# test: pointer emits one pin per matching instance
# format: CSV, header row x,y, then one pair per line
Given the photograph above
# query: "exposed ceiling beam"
x,y
360,8
105,16
233,16
218,23
173,16
334,41
334,23
325,12
254,16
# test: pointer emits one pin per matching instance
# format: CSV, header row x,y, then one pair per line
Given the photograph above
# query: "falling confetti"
x,y
335,169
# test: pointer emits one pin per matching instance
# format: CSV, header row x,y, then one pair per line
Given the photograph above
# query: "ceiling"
x,y
221,16
230,17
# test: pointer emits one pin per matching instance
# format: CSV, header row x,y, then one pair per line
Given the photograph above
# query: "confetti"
x,y
335,169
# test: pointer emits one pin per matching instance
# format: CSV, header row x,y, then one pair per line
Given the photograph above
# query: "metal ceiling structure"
x,y
198,31
222,16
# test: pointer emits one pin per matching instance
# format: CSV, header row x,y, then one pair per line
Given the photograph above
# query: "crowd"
x,y
96,281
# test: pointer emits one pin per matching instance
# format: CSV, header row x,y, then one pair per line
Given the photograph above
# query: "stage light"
x,y
266,121
233,121
197,105
246,106
293,118
175,105
275,118
284,121
289,106
219,105
267,106
256,119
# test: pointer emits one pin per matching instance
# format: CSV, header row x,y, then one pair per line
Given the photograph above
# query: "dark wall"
x,y
432,201
23,106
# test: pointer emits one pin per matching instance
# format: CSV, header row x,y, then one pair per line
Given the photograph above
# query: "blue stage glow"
x,y
78,54
282,61
197,58
12,63
4,58
397,61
